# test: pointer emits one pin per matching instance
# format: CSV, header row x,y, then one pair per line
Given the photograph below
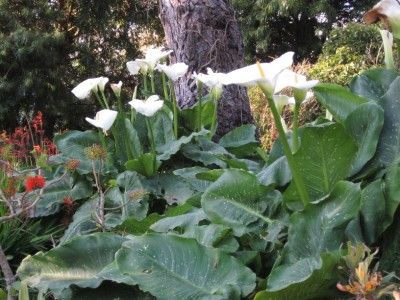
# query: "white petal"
x,y
104,119
251,75
148,107
133,67
175,71
84,89
154,55
288,78
101,82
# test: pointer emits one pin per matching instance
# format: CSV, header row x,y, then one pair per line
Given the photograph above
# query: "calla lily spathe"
x,y
387,11
211,79
387,38
264,74
104,119
116,87
299,83
85,88
175,71
151,59
147,107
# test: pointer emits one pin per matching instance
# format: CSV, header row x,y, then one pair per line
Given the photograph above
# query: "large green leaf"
x,y
189,115
72,145
161,124
134,196
85,261
321,227
146,164
364,124
241,140
138,227
317,229
189,176
171,267
239,201
373,208
392,193
213,235
132,138
182,221
277,173
373,84
82,222
172,147
388,149
308,278
338,100
205,151
325,157
55,192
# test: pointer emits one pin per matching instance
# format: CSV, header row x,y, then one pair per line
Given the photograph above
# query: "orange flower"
x,y
37,149
34,182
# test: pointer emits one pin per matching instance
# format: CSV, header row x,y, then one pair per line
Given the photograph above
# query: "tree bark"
x,y
205,34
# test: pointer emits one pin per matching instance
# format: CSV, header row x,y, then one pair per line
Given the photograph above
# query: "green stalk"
x,y
199,108
104,99
298,180
133,112
295,126
99,99
102,139
153,87
145,85
165,88
152,143
213,128
175,108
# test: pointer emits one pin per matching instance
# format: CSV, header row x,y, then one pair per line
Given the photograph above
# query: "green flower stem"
x,y
152,142
104,99
165,87
295,126
199,108
213,129
133,112
99,99
298,180
153,86
145,84
174,107
102,139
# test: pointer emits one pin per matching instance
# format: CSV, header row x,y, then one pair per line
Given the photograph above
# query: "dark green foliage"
x,y
272,27
49,46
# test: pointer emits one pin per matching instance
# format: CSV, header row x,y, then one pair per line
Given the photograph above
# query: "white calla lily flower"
x,y
211,79
289,78
175,71
136,66
280,102
264,74
147,107
387,38
144,65
85,88
116,87
299,83
154,55
104,119
387,11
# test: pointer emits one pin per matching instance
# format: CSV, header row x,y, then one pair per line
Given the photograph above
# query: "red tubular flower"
x,y
34,182
37,149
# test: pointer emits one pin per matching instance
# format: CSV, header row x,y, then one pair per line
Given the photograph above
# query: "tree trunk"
x,y
205,34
